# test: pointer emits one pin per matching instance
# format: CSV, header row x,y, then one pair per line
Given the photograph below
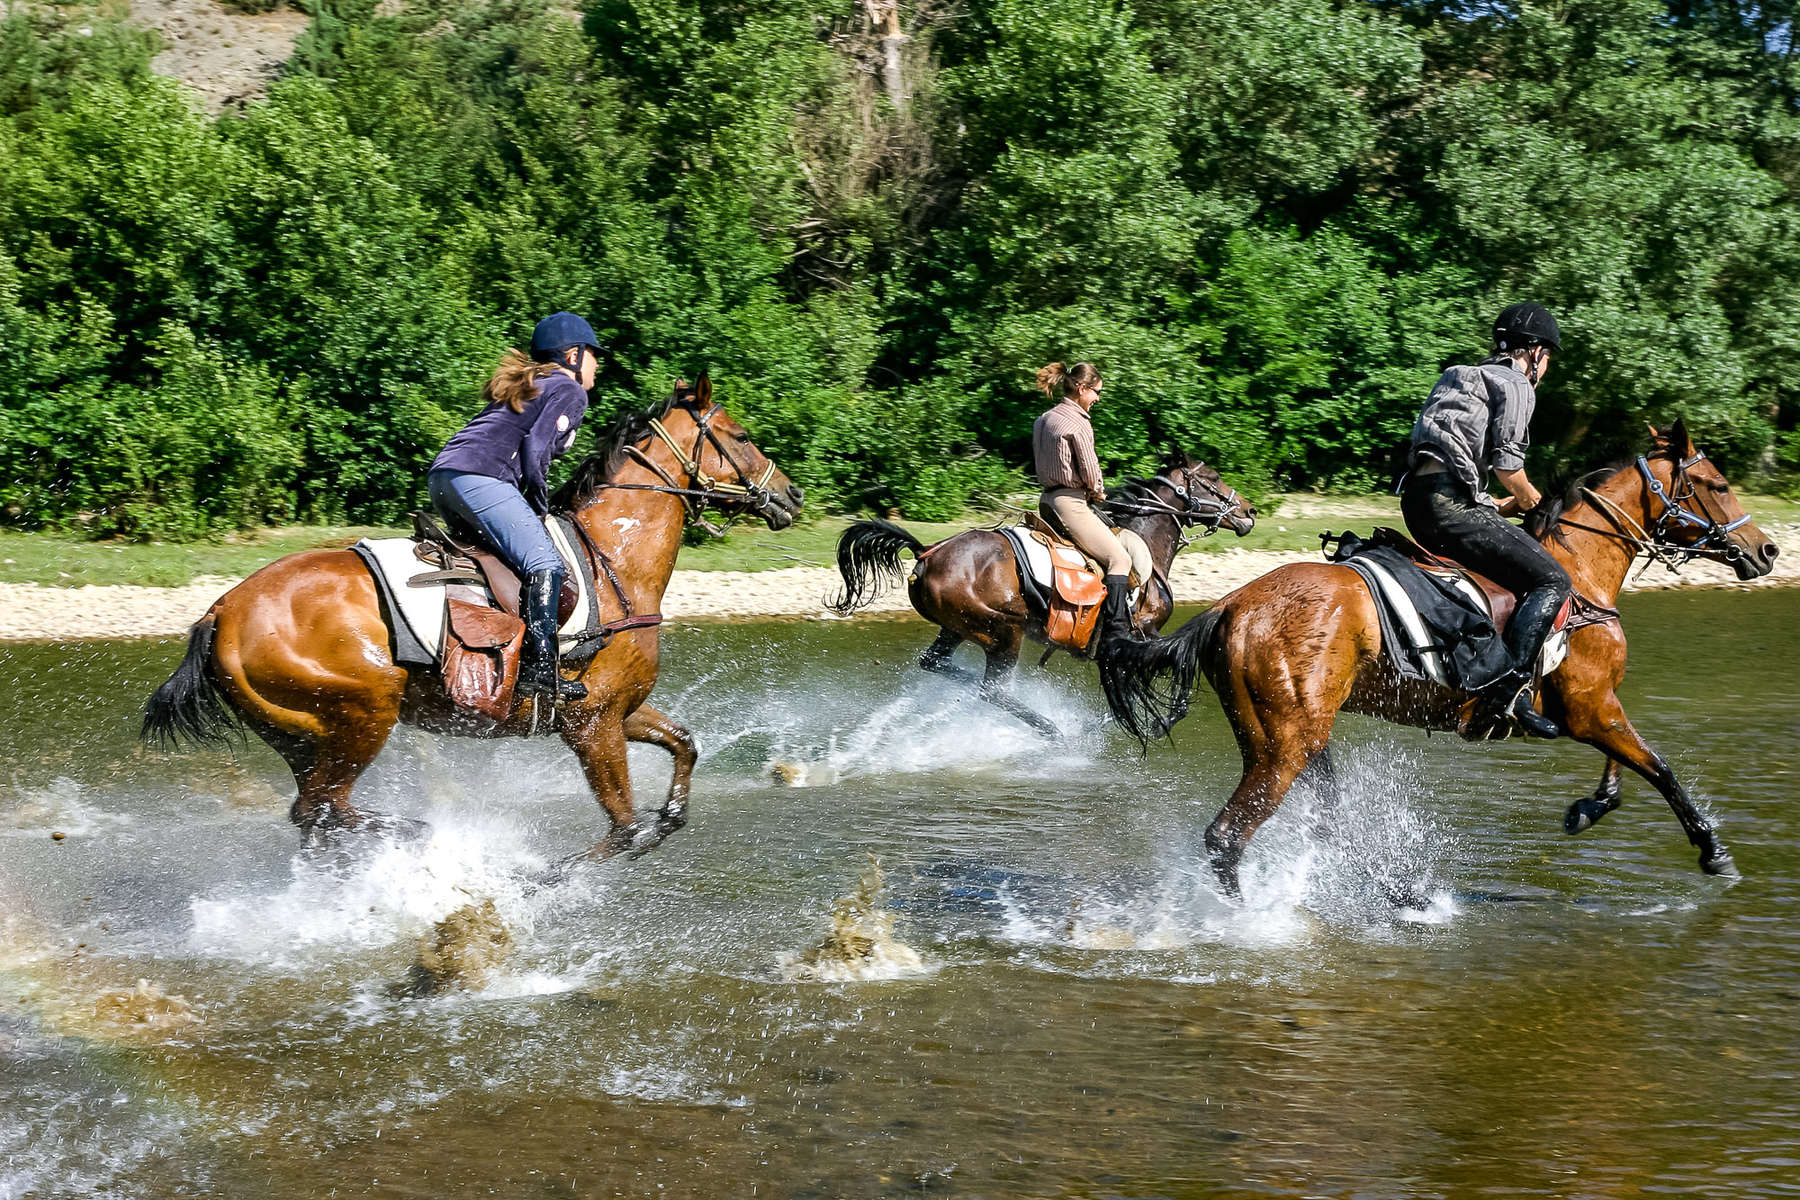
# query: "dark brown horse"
x,y
1288,651
968,585
299,652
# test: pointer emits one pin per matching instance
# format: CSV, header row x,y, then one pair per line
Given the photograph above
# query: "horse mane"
x,y
1138,488
1565,492
626,430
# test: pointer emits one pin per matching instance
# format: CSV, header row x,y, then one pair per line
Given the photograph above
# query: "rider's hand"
x,y
1510,507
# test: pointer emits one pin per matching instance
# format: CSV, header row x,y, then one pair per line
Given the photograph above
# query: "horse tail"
x,y
869,553
190,704
1148,683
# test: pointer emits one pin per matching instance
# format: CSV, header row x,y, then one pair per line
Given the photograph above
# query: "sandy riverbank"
x,y
29,612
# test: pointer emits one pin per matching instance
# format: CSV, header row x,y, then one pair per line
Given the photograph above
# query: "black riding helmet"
x,y
1524,325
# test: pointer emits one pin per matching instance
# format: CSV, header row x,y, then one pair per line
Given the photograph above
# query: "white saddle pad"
x,y
422,608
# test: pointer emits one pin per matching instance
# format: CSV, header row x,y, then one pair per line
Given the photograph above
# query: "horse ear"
x,y
1679,439
703,389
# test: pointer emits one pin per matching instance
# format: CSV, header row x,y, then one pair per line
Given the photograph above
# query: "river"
x,y
1084,1017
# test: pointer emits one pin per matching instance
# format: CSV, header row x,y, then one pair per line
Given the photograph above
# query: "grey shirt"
x,y
1478,419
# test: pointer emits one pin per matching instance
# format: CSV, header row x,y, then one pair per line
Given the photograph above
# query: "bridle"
x,y
1714,542
1206,513
706,492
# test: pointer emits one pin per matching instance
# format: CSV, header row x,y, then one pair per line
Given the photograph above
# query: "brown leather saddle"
x,y
460,560
1500,602
480,657
1077,588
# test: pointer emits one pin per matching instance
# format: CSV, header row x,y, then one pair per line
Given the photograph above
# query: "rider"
x,y
491,477
1478,419
1062,441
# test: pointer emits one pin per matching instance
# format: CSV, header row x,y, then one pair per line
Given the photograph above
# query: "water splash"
x,y
463,951
861,945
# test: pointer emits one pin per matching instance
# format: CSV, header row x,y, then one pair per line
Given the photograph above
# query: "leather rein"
x,y
1194,511
1714,542
743,492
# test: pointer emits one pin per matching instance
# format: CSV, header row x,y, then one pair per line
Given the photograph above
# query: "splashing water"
x,y
462,950
861,945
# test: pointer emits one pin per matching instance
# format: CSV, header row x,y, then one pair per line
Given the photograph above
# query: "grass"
x,y
1291,522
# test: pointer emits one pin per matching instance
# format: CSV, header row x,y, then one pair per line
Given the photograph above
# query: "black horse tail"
x,y
868,553
190,705
1148,683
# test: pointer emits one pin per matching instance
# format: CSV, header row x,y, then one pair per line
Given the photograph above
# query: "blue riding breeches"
x,y
495,510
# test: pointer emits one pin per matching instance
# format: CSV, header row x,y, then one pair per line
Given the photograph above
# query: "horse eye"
x,y
742,436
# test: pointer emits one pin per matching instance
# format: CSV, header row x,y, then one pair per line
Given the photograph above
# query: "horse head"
x,y
719,463
1206,494
1689,507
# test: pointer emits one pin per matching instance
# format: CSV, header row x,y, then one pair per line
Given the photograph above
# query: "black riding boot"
x,y
1115,611
1525,637
538,675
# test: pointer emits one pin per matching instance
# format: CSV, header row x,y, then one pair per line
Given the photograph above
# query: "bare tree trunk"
x,y
885,15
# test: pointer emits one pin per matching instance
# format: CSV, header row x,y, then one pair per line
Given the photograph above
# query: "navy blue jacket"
x,y
517,447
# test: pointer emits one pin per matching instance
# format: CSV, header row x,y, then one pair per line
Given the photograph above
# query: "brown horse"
x,y
299,652
968,585
1288,651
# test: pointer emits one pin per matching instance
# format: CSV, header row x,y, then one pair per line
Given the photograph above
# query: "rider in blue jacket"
x,y
491,479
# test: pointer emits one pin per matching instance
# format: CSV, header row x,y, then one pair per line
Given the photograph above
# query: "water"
x,y
1083,1016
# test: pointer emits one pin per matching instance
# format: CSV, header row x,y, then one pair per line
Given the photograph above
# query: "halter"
x,y
744,492
1194,510
1713,543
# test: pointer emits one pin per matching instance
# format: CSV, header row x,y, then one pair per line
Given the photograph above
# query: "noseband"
x,y
1714,542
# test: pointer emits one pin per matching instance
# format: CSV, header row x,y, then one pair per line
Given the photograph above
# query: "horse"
x,y
968,585
1288,651
299,652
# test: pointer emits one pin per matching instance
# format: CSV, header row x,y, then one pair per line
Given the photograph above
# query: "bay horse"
x,y
1291,649
968,584
299,651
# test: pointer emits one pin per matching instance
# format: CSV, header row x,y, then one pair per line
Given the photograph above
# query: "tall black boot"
x,y
538,675
1115,611
1525,637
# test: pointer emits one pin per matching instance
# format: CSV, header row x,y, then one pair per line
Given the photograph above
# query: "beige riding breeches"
x,y
1069,508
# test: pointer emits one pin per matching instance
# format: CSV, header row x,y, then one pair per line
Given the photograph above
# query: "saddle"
x,y
479,658
1071,597
1442,622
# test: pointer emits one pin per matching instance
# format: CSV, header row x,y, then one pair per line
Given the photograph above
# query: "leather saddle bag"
x,y
481,658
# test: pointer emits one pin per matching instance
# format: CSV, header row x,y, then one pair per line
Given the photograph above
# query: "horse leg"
x,y
648,725
1586,811
598,740
326,771
936,658
996,683
1603,725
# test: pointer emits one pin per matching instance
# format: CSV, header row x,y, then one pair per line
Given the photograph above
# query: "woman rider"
x,y
1479,419
1062,441
491,477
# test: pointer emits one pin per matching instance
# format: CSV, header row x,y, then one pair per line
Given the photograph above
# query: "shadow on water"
x,y
191,1006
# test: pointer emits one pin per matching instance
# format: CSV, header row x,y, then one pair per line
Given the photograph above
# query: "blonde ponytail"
x,y
512,384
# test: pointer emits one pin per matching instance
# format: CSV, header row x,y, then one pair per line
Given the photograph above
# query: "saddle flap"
x,y
481,658
483,628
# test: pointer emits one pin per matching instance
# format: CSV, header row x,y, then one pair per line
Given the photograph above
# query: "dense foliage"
x,y
1270,222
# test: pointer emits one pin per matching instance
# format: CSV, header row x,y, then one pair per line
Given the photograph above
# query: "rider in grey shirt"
x,y
1478,420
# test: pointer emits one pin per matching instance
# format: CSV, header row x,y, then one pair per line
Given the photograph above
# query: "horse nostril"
x,y
1769,551
797,494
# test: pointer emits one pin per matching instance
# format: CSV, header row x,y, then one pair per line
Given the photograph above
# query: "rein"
x,y
1195,510
696,500
1713,543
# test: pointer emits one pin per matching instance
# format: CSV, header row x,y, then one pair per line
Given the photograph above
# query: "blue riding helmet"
x,y
557,332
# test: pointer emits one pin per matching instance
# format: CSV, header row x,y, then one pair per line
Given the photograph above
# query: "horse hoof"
x,y
1586,812
1720,863
407,831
